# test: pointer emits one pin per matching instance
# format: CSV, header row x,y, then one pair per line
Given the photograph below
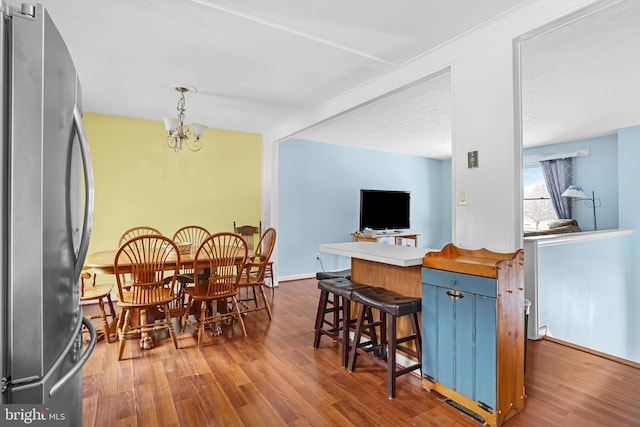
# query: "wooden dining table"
x,y
103,262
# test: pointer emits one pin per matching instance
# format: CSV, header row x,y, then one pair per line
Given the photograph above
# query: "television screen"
x,y
384,210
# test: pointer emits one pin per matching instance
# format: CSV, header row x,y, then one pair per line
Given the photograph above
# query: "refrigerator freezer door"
x,y
44,211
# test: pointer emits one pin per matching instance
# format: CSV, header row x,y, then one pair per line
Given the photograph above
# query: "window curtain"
x,y
558,175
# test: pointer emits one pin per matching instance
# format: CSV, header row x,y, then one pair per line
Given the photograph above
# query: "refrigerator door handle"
x,y
89,196
83,359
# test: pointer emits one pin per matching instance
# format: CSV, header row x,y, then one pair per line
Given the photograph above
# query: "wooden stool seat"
x,y
101,294
391,306
345,274
340,289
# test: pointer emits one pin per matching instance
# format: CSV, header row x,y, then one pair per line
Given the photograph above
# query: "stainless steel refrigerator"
x,y
46,186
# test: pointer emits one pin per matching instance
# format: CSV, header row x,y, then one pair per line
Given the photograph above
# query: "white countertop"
x,y
402,256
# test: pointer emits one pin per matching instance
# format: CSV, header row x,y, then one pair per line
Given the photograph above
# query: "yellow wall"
x,y
139,180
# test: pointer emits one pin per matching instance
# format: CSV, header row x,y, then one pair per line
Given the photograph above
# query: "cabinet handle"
x,y
455,294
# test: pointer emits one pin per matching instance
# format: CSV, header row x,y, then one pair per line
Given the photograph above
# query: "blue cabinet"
x,y
463,324
473,334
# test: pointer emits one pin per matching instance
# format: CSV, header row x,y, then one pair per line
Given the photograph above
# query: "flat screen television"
x,y
384,210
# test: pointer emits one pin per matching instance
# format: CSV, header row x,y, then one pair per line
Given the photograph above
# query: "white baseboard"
x,y
297,277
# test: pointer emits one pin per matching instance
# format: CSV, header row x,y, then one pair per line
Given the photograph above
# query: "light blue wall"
x,y
629,176
629,199
443,234
612,171
319,199
596,172
589,306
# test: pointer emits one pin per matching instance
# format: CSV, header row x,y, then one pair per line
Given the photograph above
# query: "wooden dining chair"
x,y
100,294
253,279
250,233
226,254
195,235
268,274
141,230
152,262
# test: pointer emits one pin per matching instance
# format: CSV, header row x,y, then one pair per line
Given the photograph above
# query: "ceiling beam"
x,y
378,63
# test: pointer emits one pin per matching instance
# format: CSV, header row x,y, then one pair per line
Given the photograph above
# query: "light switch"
x,y
463,197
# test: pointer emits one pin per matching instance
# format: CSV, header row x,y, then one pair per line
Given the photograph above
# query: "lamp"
x,y
178,133
576,192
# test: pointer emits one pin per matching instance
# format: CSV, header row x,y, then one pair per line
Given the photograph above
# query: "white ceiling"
x,y
580,80
258,64
415,120
583,79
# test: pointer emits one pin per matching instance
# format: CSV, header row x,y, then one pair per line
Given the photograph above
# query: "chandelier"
x,y
178,132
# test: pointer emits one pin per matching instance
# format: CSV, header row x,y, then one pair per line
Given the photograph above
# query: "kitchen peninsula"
x,y
393,267
396,268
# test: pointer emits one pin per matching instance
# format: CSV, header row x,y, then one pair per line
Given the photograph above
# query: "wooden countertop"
x,y
480,262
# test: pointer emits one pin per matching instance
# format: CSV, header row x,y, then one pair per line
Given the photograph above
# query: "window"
x,y
537,209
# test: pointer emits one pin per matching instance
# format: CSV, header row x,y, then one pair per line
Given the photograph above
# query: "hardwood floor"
x,y
275,377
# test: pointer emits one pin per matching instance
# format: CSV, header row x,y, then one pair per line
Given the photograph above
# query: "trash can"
x,y
527,305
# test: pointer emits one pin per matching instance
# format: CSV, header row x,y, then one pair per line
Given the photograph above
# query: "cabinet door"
x,y
438,341
477,347
459,341
485,342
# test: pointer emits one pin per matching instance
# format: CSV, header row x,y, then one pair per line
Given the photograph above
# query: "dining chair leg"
x,y
185,315
112,310
120,322
105,324
172,333
122,328
203,315
114,316
266,302
236,309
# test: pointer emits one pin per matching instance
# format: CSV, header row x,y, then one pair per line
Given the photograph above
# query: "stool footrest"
x,y
407,369
405,339
379,351
407,351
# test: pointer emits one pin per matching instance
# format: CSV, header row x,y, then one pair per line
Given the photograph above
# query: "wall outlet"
x,y
317,255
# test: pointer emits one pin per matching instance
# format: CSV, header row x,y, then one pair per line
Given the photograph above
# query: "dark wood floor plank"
x,y
275,377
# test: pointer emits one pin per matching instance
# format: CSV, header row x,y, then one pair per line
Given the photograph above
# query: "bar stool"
x,y
338,329
391,305
335,308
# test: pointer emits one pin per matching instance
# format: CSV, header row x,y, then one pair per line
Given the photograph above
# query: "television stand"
x,y
398,238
